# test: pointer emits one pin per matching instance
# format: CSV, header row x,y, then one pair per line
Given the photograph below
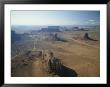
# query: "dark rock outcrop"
x,y
59,69
86,37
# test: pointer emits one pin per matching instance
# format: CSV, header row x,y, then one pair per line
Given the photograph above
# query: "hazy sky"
x,y
55,17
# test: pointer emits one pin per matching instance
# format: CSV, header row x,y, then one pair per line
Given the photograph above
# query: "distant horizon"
x,y
25,28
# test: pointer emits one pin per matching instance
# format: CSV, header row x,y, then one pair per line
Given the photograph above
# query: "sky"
x,y
55,17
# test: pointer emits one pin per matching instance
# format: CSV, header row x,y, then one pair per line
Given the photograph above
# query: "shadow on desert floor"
x,y
66,72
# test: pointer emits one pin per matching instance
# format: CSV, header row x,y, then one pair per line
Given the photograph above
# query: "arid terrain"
x,y
57,54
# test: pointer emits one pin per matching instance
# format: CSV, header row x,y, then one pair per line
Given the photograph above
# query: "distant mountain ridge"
x,y
24,29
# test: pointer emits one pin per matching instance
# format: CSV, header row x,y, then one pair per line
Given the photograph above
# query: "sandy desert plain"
x,y
43,54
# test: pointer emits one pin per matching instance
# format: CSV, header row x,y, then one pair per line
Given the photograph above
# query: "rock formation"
x,y
86,37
